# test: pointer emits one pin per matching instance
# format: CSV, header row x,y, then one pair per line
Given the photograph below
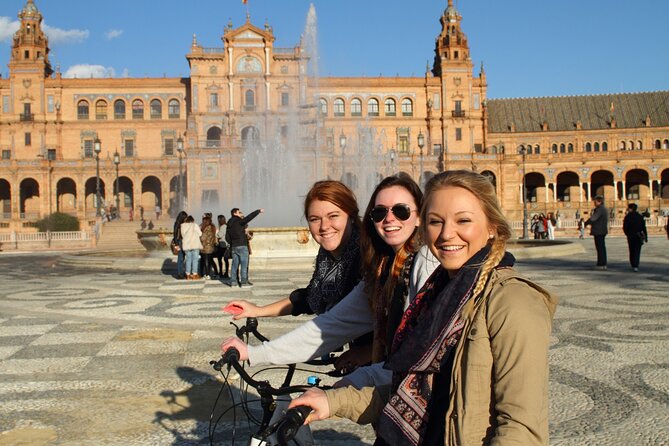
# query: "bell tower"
x,y
452,49
30,46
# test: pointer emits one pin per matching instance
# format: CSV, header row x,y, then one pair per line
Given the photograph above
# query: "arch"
x,y
29,199
407,107
5,199
636,185
250,137
249,64
554,148
151,193
90,200
535,185
126,194
588,146
570,148
567,186
601,183
490,175
338,107
66,196
119,109
605,146
639,145
664,185
622,145
537,149
137,109
214,136
563,148
595,147
83,109
323,106
373,107
356,107
390,107
101,109
665,144
156,109
174,109
657,144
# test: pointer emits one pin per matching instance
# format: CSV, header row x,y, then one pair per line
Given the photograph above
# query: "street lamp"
x,y
392,161
180,150
522,152
97,147
421,144
117,161
342,146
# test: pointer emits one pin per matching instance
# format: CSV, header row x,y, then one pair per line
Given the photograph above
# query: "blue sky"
x,y
528,47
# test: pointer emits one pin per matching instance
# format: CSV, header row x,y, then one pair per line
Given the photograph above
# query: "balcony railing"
x,y
458,113
27,117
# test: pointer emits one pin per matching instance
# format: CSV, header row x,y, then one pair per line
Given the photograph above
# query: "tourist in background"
x,y
192,245
581,228
222,254
208,239
550,227
634,227
599,227
181,257
470,356
238,240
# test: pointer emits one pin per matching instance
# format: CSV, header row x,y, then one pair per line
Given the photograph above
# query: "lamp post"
x,y
421,144
522,152
97,147
342,146
392,161
180,150
117,161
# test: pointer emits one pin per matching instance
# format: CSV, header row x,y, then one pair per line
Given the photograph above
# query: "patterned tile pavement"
x,y
92,356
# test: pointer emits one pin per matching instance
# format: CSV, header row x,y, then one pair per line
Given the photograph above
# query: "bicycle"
x,y
277,426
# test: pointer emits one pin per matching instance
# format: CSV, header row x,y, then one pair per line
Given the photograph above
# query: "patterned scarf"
x,y
334,278
430,328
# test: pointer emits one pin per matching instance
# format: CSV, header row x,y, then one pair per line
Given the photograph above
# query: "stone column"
x,y
580,192
520,193
624,197
650,188
615,190
589,191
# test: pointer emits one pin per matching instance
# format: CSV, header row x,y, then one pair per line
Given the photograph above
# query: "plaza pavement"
x,y
120,357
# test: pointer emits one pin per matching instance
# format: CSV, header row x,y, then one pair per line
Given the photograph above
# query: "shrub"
x,y
58,222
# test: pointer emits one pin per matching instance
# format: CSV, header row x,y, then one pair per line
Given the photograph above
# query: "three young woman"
x,y
469,358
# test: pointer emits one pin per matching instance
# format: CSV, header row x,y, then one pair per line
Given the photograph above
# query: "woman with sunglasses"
x,y
331,211
470,355
392,270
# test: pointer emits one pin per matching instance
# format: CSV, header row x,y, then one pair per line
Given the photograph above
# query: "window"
x,y
339,108
665,144
596,147
137,109
156,108
323,106
570,148
119,109
51,154
537,149
6,154
657,144
169,146
27,138
88,148
639,145
563,148
436,101
249,100
407,107
477,101
213,100
622,146
436,149
173,109
82,110
285,99
100,110
5,104
129,148
458,134
588,147
356,107
50,104
373,107
403,143
390,107
605,147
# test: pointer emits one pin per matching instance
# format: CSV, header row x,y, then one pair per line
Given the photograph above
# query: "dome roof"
x,y
30,10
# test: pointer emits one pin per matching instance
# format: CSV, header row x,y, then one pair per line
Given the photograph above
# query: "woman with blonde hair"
x,y
470,355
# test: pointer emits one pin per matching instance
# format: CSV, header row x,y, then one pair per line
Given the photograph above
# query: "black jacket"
x,y
634,225
236,233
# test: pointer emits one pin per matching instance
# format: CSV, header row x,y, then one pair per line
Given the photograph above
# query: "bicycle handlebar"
x,y
291,423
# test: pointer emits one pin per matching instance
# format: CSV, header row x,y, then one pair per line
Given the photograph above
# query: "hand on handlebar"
x,y
353,358
238,344
247,309
317,400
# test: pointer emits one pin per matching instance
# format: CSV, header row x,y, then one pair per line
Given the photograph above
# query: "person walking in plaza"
x,y
192,245
222,254
469,357
599,227
581,228
181,256
208,239
634,227
550,227
239,248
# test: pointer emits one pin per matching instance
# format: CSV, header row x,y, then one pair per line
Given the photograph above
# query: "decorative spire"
x,y
248,17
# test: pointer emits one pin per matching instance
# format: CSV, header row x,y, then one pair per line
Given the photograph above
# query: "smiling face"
x,y
391,229
329,225
456,227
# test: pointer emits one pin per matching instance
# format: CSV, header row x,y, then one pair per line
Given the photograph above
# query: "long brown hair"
x,y
483,189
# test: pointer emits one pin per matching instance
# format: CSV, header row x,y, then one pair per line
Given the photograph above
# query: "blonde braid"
x,y
494,257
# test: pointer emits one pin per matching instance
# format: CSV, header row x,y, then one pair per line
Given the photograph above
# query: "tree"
x,y
58,222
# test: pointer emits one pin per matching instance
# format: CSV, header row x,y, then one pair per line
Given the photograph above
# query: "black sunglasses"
x,y
401,211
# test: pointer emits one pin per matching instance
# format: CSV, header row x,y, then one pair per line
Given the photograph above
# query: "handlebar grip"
x,y
292,421
231,355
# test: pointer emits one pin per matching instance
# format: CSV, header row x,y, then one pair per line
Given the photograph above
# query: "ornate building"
x,y
166,139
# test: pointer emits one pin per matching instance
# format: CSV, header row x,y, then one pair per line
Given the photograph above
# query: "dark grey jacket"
x,y
599,221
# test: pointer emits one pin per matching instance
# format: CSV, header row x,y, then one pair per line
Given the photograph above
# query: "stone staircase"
x,y
119,235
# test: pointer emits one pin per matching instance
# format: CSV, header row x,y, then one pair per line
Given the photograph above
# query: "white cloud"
x,y
57,35
86,71
125,73
113,33
8,28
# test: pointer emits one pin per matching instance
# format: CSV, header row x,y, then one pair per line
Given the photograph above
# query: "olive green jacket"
x,y
499,382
